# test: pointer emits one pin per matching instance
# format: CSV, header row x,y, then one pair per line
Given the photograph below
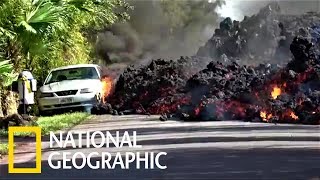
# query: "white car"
x,y
74,86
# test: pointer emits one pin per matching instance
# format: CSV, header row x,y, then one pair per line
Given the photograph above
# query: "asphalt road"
x,y
196,150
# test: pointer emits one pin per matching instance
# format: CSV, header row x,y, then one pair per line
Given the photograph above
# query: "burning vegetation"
x,y
226,88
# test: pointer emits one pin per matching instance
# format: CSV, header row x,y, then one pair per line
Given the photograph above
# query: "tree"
x,y
6,78
50,33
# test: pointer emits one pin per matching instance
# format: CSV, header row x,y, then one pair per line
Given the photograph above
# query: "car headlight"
x,y
86,90
43,95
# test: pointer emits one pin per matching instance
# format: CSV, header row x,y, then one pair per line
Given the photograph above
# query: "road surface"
x,y
196,150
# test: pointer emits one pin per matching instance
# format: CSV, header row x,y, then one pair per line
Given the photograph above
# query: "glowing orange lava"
x,y
293,116
106,88
265,116
276,92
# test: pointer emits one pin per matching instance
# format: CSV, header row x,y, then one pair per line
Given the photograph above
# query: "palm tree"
x,y
44,26
6,68
6,78
47,21
41,18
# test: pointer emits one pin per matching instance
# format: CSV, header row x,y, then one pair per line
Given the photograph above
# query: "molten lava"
x,y
106,88
294,116
265,116
276,92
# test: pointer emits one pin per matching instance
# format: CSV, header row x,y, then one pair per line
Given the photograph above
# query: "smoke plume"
x,y
237,9
159,29
172,28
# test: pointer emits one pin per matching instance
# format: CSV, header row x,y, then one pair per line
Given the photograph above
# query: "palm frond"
x,y
45,12
4,63
41,12
7,33
6,73
5,67
35,2
8,78
27,26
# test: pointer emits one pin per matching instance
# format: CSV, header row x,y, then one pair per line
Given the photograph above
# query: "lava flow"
x,y
294,116
106,88
221,91
276,92
216,85
265,116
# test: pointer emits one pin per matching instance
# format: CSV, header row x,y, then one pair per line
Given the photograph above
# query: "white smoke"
x,y
237,9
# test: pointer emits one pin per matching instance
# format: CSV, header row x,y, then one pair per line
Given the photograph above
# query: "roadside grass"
x,y
3,148
61,122
54,123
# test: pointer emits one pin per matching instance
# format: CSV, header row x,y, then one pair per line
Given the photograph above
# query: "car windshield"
x,y
72,74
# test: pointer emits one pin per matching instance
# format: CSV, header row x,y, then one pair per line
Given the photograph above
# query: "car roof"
x,y
75,66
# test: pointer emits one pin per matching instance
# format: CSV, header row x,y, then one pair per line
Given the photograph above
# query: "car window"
x,y
72,74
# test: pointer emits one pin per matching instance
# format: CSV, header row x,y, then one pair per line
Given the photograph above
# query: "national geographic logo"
x,y
12,131
105,157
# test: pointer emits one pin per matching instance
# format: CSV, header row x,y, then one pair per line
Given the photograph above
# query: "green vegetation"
x,y
60,122
6,73
54,123
7,76
3,148
39,35
43,34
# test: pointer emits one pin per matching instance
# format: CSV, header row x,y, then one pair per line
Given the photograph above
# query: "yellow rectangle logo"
x,y
37,131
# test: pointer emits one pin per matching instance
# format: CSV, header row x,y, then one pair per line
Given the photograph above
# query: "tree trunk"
x,y
11,104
